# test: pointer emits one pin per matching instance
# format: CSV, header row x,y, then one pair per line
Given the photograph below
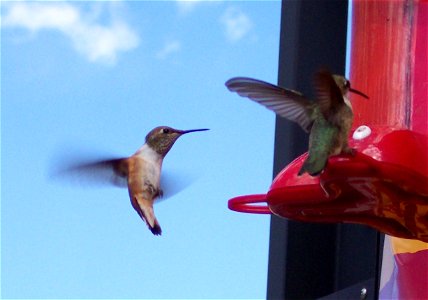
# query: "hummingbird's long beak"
x,y
358,93
193,130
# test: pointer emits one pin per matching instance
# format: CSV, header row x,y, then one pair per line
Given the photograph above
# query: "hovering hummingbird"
x,y
328,118
140,172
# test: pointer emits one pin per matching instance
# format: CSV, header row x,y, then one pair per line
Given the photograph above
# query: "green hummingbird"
x,y
328,118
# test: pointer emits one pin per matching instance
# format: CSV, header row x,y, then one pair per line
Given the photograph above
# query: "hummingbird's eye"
x,y
347,84
165,130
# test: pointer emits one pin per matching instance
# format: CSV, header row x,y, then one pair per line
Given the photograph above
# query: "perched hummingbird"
x,y
328,118
140,172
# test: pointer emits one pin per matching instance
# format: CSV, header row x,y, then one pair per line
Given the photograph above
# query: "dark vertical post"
x,y
308,261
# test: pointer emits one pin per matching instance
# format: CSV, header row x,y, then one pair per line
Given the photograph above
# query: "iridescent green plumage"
x,y
328,118
322,138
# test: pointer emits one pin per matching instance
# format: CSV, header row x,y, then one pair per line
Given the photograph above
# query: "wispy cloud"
x,y
187,6
236,23
169,48
97,42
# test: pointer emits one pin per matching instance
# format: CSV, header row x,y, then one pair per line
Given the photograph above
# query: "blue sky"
x,y
92,78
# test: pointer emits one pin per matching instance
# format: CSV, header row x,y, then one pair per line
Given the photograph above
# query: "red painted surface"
x,y
419,108
412,274
389,59
380,61
389,63
383,186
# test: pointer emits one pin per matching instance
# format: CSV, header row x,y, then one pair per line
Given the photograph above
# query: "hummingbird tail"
x,y
156,229
144,209
313,166
152,222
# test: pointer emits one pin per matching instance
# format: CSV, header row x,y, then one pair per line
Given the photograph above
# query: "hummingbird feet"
x,y
159,193
349,151
154,191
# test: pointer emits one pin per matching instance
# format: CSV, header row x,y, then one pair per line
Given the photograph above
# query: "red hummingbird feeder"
x,y
383,185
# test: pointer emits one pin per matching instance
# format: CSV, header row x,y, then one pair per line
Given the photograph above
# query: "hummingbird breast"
x,y
327,138
345,118
144,172
144,176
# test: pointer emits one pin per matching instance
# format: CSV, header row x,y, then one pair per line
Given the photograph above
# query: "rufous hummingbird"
x,y
141,172
328,118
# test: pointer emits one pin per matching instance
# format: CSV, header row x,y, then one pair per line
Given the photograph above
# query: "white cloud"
x,y
98,43
169,48
186,6
237,24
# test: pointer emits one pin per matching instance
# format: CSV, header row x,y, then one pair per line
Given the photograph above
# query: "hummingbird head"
x,y
345,86
162,138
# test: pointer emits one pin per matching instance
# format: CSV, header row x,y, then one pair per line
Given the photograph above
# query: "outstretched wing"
x,y
101,172
330,98
174,181
286,103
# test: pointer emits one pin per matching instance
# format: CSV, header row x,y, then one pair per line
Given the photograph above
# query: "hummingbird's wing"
x,y
174,181
101,172
330,97
286,103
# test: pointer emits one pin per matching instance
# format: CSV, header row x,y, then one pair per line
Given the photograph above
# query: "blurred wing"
x,y
286,103
173,182
330,96
101,172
